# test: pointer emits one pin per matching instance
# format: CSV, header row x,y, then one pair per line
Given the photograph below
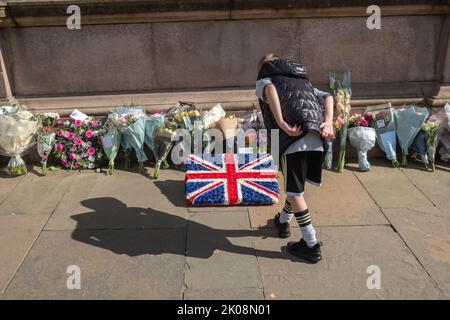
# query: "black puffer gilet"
x,y
299,104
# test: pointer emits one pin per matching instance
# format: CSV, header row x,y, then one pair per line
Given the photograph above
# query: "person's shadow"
x,y
135,231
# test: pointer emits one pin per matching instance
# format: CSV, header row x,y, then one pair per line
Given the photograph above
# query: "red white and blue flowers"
x,y
229,179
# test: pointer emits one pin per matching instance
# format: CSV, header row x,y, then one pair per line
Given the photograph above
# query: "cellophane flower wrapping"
x,y
162,142
212,116
433,129
17,135
384,124
340,84
409,120
183,115
419,145
328,163
133,133
111,140
78,144
45,143
46,136
363,139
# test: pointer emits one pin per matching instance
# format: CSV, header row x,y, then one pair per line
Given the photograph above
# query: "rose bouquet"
x,y
340,84
162,142
362,137
17,135
132,127
409,120
384,124
46,136
78,144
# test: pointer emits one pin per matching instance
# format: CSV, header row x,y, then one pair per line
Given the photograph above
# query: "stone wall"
x,y
408,59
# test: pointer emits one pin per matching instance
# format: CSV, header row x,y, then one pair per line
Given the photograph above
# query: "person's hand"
x,y
327,130
293,131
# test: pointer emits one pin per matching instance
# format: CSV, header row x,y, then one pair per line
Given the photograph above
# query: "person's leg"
x,y
303,218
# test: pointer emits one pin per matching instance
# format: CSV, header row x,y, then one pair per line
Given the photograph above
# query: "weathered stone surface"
x,y
391,188
17,235
347,252
225,294
428,237
7,186
216,240
341,200
132,264
36,194
435,185
123,200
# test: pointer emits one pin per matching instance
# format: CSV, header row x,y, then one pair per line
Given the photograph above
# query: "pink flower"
x,y
77,165
64,162
59,122
94,124
89,134
60,133
78,123
91,151
79,142
72,156
71,136
59,147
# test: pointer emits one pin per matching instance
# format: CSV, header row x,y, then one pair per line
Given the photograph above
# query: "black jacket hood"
x,y
283,67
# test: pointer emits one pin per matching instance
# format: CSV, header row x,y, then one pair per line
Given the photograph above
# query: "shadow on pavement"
x,y
135,231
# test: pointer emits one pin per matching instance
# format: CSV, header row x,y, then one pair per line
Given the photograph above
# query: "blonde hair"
x,y
265,58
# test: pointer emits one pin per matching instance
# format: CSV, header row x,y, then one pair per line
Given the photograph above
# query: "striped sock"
x,y
286,214
308,232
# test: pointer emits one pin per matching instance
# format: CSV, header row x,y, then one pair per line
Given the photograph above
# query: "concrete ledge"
x,y
21,13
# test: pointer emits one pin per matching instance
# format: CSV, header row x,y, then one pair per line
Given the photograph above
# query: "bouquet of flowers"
x,y
384,124
340,84
419,146
228,125
162,143
111,139
17,135
183,115
409,120
362,137
154,121
78,143
132,127
432,130
212,116
46,136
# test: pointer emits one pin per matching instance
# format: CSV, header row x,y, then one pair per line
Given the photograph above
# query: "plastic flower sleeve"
x,y
213,115
17,135
363,140
384,124
111,143
409,121
135,134
329,155
162,141
419,145
45,143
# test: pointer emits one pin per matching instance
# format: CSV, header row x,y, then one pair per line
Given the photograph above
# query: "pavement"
x,y
85,235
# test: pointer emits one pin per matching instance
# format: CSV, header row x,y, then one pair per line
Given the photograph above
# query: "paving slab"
x,y
120,201
342,274
7,186
340,201
391,188
428,236
36,194
131,264
17,235
435,185
215,242
225,294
